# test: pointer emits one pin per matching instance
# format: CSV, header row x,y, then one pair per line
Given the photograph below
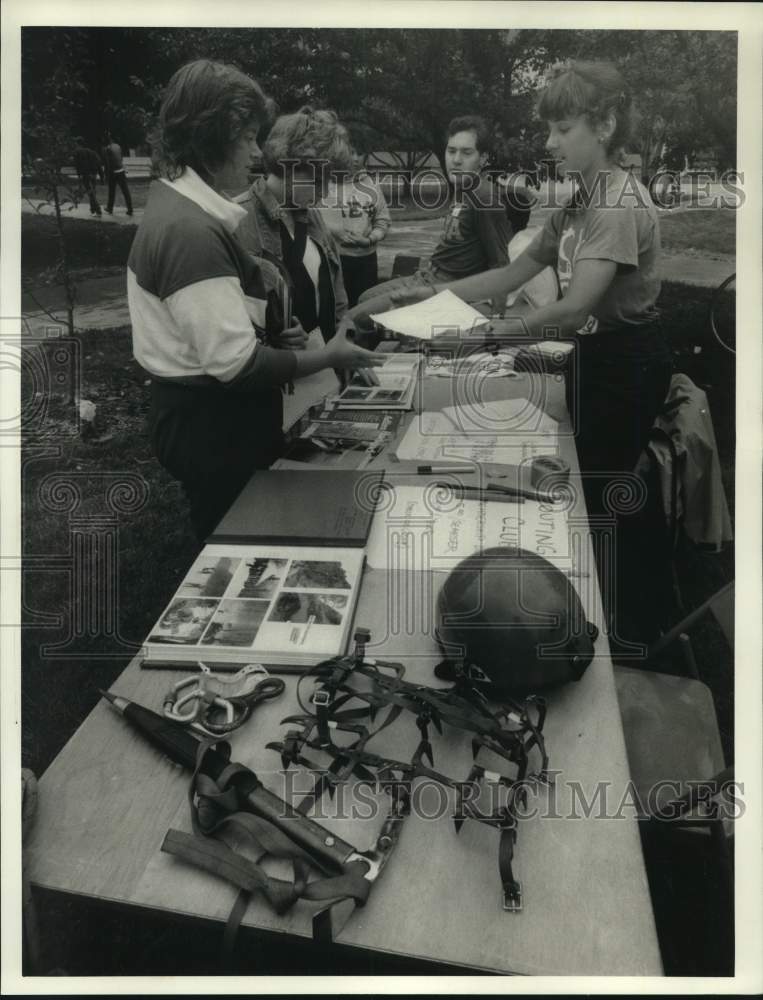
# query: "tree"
x,y
397,89
409,84
684,83
48,140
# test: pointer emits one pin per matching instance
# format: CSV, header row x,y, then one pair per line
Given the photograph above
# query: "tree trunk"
x,y
69,286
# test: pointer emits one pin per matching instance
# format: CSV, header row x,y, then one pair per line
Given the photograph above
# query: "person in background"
x,y
517,200
115,174
88,165
199,304
358,218
476,231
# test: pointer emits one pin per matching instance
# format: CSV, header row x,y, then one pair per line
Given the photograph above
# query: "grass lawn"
x,y
154,545
92,247
705,230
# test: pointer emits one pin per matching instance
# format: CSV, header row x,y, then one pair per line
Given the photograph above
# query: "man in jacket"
x,y
115,174
88,166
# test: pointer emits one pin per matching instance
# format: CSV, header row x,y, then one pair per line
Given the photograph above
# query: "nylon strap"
x,y
214,808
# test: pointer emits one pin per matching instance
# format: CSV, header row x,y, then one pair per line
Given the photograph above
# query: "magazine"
x,y
342,438
265,604
397,384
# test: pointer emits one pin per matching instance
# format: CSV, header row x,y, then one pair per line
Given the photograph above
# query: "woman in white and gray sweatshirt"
x,y
200,304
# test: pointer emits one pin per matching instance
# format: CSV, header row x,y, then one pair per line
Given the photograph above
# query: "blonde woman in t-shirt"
x,y
605,247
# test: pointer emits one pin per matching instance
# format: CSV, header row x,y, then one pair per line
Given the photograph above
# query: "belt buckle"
x,y
321,699
512,897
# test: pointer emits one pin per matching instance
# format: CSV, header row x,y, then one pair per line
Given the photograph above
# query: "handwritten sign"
x,y
432,528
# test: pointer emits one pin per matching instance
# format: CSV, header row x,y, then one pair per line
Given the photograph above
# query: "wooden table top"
x,y
108,799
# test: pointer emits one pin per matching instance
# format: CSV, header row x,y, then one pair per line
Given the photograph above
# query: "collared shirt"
x,y
225,210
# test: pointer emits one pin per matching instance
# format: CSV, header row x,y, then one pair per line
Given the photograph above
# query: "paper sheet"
x,y
431,528
431,436
507,417
432,317
482,365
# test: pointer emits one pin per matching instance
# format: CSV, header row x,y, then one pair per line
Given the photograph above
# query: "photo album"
x,y
397,384
259,603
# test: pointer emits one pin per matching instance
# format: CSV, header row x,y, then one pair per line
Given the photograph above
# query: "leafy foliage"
x,y
396,89
685,85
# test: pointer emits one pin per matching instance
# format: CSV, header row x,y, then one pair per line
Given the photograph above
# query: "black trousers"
x,y
212,439
359,274
119,180
88,186
616,386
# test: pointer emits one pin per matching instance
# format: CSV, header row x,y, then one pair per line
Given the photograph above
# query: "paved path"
x,y
102,302
691,269
82,211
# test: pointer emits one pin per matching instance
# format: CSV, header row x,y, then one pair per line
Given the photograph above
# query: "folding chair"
x,y
405,264
29,925
539,291
673,744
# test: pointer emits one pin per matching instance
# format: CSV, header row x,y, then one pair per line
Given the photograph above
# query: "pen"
x,y
441,470
517,491
477,493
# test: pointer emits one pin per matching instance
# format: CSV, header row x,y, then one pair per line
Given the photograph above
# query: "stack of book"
x,y
397,385
342,438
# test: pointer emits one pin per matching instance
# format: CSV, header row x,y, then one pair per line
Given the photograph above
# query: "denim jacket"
x,y
259,233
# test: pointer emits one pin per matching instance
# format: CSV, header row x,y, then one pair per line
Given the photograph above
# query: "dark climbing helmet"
x,y
512,621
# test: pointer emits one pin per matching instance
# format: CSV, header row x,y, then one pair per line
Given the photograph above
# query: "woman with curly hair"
x,y
199,304
284,222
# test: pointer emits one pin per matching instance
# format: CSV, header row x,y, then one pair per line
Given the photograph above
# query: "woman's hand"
x,y
343,354
293,338
354,240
